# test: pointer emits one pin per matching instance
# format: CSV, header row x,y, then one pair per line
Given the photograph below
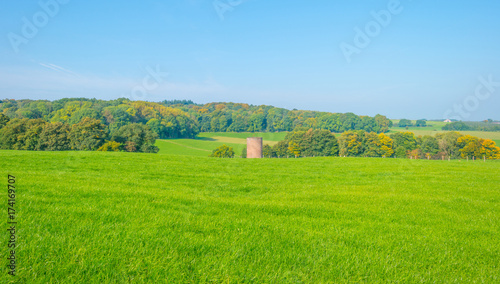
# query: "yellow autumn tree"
x,y
294,148
470,146
490,150
351,143
385,143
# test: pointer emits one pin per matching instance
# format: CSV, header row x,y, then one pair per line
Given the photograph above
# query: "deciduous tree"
x,y
470,146
55,137
404,123
351,143
136,138
490,150
3,120
87,135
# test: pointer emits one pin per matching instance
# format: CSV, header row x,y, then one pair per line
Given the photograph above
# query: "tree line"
x,y
185,119
488,125
237,117
408,123
360,143
89,134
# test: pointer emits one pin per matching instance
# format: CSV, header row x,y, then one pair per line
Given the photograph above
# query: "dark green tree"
x,y
3,120
428,146
403,142
87,135
281,149
421,123
456,126
54,137
400,152
136,138
314,142
371,145
244,152
267,151
21,134
448,145
404,123
383,123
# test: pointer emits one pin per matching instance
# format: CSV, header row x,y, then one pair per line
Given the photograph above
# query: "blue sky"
x,y
417,59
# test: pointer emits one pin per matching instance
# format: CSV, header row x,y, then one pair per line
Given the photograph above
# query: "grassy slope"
x,y
208,141
266,136
119,217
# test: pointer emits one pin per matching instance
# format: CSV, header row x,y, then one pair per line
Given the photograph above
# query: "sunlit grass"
x,y
208,141
124,217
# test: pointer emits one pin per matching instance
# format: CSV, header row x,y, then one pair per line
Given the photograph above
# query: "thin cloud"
x,y
59,69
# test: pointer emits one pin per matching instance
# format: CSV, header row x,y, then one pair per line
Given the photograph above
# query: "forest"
x,y
121,124
134,126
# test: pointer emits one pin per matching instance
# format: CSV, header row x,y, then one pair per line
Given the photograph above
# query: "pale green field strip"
x,y
179,144
480,134
266,136
239,140
437,128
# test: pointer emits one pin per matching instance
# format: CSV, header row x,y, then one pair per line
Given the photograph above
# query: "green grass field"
x,y
92,217
208,141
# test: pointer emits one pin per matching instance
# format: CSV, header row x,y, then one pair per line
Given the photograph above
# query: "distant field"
x,y
103,217
436,127
432,125
480,134
208,141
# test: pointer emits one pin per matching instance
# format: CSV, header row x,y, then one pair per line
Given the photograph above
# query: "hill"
x,y
184,119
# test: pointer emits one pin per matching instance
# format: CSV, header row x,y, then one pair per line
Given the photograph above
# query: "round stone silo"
x,y
254,147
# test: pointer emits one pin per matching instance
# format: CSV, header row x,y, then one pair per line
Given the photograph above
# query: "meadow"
x,y
203,145
106,217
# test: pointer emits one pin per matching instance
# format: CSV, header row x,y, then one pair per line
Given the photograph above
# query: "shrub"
x,y
223,151
244,152
110,146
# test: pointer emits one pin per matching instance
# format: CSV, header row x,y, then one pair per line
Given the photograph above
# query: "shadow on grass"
x,y
196,138
205,139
